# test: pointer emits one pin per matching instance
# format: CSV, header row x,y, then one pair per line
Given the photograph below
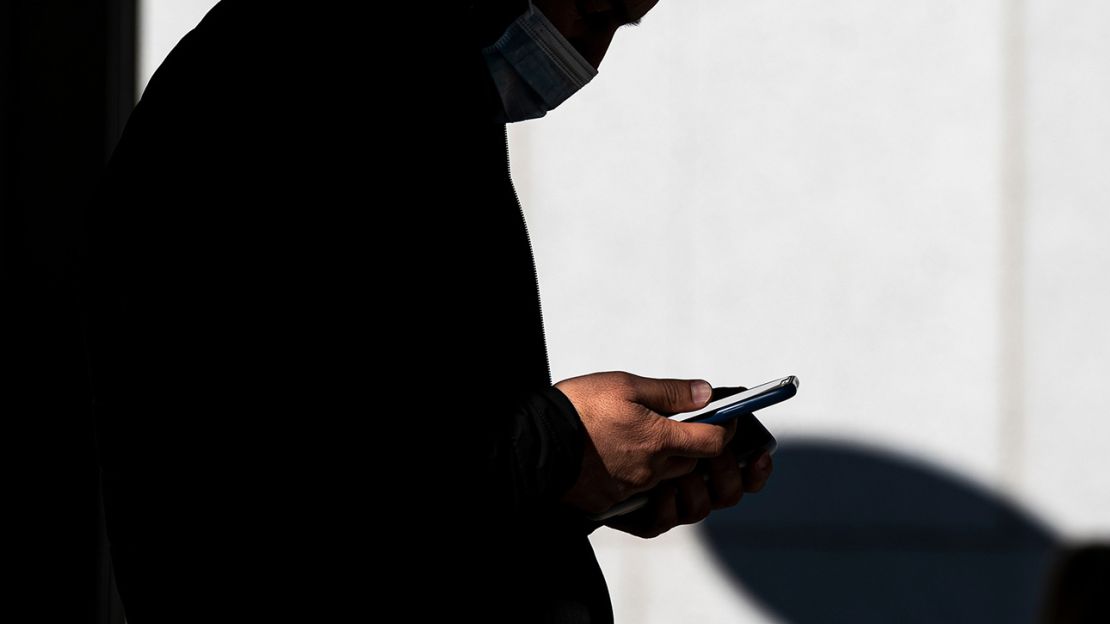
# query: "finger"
x,y
675,467
726,481
757,473
696,439
670,396
659,516
730,433
692,500
665,506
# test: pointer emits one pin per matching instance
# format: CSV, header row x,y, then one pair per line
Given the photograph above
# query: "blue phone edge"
x,y
729,412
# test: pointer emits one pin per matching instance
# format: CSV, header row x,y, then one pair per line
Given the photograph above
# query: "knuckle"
x,y
709,446
732,495
624,380
661,436
673,435
672,393
718,443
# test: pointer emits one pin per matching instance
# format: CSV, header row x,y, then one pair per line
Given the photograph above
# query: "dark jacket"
x,y
316,339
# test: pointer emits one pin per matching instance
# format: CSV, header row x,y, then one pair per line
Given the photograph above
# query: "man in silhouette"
x,y
316,337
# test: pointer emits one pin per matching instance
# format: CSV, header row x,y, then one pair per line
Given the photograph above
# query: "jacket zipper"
x,y
531,254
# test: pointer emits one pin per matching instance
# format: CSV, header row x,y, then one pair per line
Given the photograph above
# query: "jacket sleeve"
x,y
538,452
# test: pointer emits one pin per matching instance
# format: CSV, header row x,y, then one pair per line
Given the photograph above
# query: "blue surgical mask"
x,y
534,67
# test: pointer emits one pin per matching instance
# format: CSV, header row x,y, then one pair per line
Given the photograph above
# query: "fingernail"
x,y
700,391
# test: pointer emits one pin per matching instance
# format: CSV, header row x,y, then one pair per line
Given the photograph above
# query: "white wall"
x,y
905,204
1067,302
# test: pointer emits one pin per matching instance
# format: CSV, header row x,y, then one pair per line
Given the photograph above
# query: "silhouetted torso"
x,y
315,324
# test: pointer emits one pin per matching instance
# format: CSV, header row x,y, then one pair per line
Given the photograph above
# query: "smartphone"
x,y
751,439
727,408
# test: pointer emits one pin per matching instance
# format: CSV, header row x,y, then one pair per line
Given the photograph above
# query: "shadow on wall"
x,y
852,534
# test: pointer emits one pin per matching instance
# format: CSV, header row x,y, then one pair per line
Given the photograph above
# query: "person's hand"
x,y
631,444
717,483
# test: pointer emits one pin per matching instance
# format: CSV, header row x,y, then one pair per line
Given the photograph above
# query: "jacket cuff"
x,y
568,435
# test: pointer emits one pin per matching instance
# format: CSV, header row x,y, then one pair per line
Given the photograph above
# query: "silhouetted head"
x,y
589,25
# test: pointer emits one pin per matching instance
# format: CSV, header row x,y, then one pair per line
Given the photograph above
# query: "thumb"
x,y
671,396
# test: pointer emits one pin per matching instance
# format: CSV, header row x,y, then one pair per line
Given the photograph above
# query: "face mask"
x,y
534,67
